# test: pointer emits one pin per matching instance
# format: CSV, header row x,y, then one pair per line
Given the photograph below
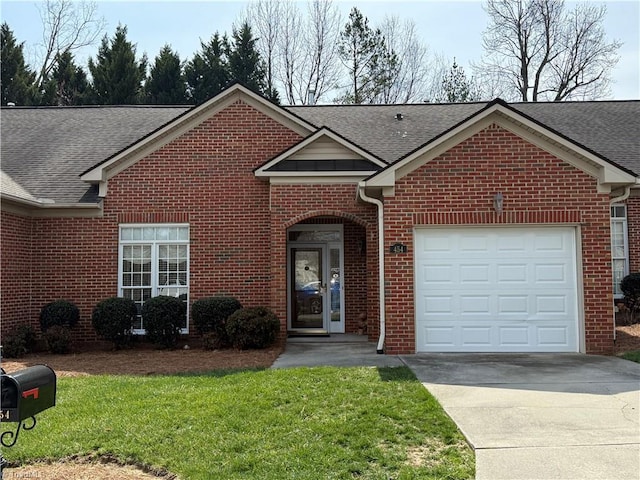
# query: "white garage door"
x,y
496,289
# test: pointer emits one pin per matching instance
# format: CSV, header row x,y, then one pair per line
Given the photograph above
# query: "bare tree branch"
x,y
539,50
67,26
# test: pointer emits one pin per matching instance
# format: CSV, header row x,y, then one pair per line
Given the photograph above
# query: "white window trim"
x,y
154,261
623,221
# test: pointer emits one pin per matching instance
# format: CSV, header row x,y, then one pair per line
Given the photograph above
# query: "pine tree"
x,y
246,65
457,88
371,66
117,75
16,80
166,84
68,84
207,74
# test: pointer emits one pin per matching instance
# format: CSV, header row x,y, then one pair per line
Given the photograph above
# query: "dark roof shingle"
x,y
45,149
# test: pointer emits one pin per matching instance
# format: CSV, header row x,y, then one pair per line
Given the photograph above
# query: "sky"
x,y
449,28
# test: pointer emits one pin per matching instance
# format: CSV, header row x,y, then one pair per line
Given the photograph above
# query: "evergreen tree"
x,y
207,74
16,80
370,64
245,63
166,84
457,88
68,84
117,75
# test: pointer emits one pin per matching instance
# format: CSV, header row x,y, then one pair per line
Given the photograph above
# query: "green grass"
x,y
633,355
333,423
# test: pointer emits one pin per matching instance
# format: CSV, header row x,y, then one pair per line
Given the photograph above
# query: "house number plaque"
x,y
398,248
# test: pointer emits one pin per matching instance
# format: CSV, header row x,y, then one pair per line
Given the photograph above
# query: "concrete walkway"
x,y
541,416
337,350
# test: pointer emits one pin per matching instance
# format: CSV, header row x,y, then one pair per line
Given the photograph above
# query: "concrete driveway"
x,y
541,416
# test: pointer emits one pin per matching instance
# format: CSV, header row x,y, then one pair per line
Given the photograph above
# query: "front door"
x,y
308,288
314,279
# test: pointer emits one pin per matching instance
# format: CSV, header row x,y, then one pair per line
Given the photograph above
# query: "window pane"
x,y
183,233
126,234
162,233
149,233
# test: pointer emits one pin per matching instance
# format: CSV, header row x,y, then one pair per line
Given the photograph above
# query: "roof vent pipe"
x,y
311,97
399,116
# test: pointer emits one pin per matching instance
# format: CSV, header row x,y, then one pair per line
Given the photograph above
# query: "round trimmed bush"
x,y
163,318
19,342
630,286
210,316
61,313
113,318
255,327
13,346
58,339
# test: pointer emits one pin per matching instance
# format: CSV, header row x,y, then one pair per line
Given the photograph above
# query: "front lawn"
x,y
334,423
633,355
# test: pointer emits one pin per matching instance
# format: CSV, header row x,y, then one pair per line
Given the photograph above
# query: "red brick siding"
x,y
292,204
76,260
633,233
458,187
203,178
16,272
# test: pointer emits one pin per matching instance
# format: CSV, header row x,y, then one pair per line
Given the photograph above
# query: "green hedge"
x,y
113,318
255,327
163,318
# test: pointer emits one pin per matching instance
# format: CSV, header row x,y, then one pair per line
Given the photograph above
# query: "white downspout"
x,y
379,204
621,198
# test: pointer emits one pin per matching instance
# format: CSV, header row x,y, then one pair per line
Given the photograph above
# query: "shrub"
x,y
630,286
61,313
58,339
255,327
13,346
163,318
210,341
19,342
113,318
210,315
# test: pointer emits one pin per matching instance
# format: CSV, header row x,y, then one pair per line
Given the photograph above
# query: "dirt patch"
x,y
80,471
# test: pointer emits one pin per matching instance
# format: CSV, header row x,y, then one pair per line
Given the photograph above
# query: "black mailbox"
x,y
26,393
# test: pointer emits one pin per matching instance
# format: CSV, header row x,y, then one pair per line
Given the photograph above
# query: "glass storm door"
x,y
308,288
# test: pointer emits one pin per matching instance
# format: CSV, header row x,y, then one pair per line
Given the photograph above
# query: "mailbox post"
x,y
24,394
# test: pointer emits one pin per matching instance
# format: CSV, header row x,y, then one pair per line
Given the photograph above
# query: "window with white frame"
x,y
154,260
619,246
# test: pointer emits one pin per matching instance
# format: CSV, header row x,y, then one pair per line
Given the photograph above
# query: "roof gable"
x,y
324,153
122,160
609,175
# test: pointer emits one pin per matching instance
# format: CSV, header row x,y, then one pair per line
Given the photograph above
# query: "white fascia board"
x,y
582,159
388,177
186,122
603,171
339,177
37,208
322,132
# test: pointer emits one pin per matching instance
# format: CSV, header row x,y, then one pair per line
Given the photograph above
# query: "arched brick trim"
x,y
324,213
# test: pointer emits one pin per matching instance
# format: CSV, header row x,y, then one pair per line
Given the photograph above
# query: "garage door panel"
x,y
517,292
517,335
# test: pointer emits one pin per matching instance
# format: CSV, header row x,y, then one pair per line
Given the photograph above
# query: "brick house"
x,y
501,227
